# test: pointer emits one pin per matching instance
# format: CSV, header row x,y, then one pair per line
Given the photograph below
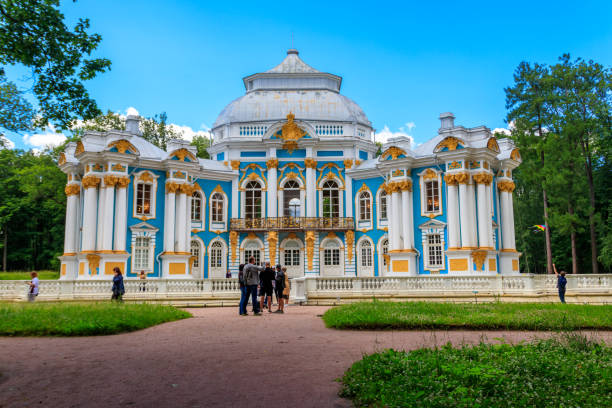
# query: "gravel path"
x,y
216,359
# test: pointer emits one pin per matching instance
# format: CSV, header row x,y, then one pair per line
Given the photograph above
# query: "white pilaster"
x,y
350,200
471,200
169,220
395,217
120,217
72,211
90,207
109,204
311,198
100,219
454,236
483,239
489,196
181,222
272,190
464,211
407,221
235,198
506,220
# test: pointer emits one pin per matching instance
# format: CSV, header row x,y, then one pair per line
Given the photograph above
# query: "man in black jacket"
x,y
251,281
265,282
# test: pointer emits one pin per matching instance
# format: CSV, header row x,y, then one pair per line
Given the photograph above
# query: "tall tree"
x,y
33,34
201,143
157,130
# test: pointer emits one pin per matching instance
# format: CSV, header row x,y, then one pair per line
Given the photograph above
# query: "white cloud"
x,y
385,134
6,143
188,133
39,141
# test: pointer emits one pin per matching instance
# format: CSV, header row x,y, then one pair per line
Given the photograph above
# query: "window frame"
x,y
145,178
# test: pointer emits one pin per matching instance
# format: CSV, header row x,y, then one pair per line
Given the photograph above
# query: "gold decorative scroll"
x,y
405,185
479,258
310,240
450,179
122,182
357,162
117,167
94,262
462,178
394,152
123,146
348,163
272,163
310,163
450,142
397,173
235,164
291,133
62,159
172,188
182,153
272,240
218,189
350,240
146,177
492,145
483,178
191,261
233,237
110,181
72,189
90,181
430,175
79,148
515,155
505,186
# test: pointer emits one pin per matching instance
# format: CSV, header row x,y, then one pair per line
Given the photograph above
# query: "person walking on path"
x,y
143,283
561,283
251,280
265,282
33,291
244,300
276,292
280,285
118,288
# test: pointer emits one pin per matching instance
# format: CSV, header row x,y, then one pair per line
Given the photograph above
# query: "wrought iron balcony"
x,y
292,224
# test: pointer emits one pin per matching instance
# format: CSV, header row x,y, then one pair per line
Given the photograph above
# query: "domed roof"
x,y
292,86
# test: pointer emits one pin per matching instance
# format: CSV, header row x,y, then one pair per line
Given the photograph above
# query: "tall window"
x,y
292,254
291,199
195,252
434,250
252,249
331,200
141,253
331,254
432,196
143,199
253,200
216,255
385,251
383,205
366,254
216,207
196,207
365,206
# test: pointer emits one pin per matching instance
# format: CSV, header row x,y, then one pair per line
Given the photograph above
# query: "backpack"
x,y
280,279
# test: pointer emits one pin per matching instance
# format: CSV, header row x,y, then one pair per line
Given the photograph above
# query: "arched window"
x,y
331,254
331,199
217,210
383,205
432,196
216,255
252,249
143,198
292,254
196,207
365,206
253,200
291,197
195,252
385,252
366,254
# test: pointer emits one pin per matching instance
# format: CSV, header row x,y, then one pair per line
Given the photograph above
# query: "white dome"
x,y
292,86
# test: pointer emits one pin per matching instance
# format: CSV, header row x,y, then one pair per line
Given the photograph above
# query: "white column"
x,y
507,215
395,232
483,240
511,226
272,189
188,200
407,222
100,219
72,213
489,215
181,222
311,199
109,210
235,198
350,200
121,215
169,218
90,207
454,237
471,200
464,211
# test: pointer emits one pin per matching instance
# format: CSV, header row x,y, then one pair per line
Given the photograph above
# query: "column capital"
x,y
235,164
122,182
483,178
310,163
506,186
348,163
405,185
72,189
110,180
451,179
172,187
462,178
272,163
90,181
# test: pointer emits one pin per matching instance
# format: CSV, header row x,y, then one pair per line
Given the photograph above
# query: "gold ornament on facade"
x,y
79,148
405,185
182,153
233,237
430,175
397,173
483,178
235,164
172,187
146,177
97,167
310,163
515,155
90,181
123,146
94,262
506,186
110,181
350,240
450,143
310,240
272,163
117,167
394,152
462,178
357,162
62,159
450,179
218,189
72,189
272,240
291,133
348,163
492,145
479,258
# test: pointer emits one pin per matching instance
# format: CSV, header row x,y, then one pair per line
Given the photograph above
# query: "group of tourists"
x,y
262,281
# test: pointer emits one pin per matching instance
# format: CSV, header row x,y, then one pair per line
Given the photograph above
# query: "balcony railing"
x,y
292,224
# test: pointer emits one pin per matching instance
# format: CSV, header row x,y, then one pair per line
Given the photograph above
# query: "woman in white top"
x,y
33,292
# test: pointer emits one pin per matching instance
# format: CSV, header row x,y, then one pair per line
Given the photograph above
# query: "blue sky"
x,y
404,63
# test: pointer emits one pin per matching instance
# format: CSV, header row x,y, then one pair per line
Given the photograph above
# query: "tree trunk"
x,y
4,249
589,172
570,210
549,267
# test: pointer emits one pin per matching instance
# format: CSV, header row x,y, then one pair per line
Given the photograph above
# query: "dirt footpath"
x,y
216,359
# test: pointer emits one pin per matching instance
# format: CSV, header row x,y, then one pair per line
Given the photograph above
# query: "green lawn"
x,y
379,315
572,372
82,319
20,275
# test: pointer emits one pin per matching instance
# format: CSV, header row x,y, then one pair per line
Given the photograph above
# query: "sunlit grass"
x,y
21,275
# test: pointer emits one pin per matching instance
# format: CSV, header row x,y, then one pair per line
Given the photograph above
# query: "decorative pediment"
x,y
433,224
122,146
393,153
62,159
492,145
79,148
449,143
144,227
515,155
182,154
429,174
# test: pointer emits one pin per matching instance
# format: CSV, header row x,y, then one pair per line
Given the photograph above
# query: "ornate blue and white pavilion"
x,y
295,180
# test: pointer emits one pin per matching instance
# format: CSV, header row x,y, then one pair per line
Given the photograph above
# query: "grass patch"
x,y
379,315
572,372
82,319
21,275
